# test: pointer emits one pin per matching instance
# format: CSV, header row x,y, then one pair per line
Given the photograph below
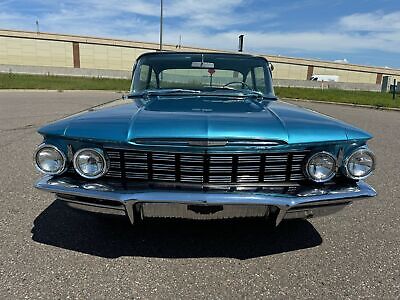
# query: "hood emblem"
x,y
207,143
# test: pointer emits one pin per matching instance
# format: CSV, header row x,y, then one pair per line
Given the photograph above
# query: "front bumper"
x,y
158,202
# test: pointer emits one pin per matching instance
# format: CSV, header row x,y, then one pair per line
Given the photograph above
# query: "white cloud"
x,y
342,61
105,17
192,12
284,42
354,33
371,22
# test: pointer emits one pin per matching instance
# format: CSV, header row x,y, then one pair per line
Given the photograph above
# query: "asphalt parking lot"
x,y
50,251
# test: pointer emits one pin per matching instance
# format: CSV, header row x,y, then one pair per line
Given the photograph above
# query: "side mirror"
x,y
271,67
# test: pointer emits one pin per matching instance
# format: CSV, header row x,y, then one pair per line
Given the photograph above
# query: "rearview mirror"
x,y
202,65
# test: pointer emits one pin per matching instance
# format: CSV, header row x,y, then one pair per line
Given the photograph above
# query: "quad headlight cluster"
x,y
323,166
90,163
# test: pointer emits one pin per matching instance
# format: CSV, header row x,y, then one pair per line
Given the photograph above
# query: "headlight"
x,y
360,164
90,163
50,160
321,167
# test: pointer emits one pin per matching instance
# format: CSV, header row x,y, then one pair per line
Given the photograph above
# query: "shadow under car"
x,y
113,236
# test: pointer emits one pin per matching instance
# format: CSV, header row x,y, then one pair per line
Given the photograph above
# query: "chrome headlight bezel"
x,y
101,154
63,168
334,168
362,150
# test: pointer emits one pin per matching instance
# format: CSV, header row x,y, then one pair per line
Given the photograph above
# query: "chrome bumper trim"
x,y
306,203
183,211
314,211
92,207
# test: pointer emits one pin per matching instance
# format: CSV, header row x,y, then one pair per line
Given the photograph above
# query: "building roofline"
x,y
88,39
155,46
314,60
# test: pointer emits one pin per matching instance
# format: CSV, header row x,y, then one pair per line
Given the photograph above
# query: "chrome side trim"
x,y
325,195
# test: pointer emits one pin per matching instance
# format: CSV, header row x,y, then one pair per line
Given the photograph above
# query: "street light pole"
x,y
161,24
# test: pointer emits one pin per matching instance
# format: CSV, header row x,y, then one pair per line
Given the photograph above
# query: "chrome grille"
x,y
215,169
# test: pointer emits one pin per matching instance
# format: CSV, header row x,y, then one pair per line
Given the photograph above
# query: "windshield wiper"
x,y
162,92
245,93
233,93
258,95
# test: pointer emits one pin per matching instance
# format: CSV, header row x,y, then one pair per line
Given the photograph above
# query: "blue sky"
x,y
358,31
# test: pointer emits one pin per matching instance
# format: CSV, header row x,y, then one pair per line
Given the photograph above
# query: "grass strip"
x,y
341,96
22,81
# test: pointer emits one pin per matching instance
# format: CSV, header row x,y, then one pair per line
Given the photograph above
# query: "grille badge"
x,y
207,143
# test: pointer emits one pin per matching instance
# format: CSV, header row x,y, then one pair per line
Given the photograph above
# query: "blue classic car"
x,y
203,136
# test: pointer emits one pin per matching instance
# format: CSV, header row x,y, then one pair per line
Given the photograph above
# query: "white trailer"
x,y
334,78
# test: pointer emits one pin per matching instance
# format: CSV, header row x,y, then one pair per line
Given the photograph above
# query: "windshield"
x,y
223,73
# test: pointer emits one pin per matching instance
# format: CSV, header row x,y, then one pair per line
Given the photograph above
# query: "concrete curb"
x,y
344,104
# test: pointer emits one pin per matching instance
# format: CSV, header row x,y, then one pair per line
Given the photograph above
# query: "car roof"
x,y
201,52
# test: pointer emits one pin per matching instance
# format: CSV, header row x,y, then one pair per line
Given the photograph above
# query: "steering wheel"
x,y
237,82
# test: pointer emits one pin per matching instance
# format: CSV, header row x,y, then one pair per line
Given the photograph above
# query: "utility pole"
x,y
161,24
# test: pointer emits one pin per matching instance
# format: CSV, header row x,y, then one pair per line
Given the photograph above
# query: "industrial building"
x,y
58,54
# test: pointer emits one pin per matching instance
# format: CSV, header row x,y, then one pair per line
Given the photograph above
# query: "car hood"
x,y
274,120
